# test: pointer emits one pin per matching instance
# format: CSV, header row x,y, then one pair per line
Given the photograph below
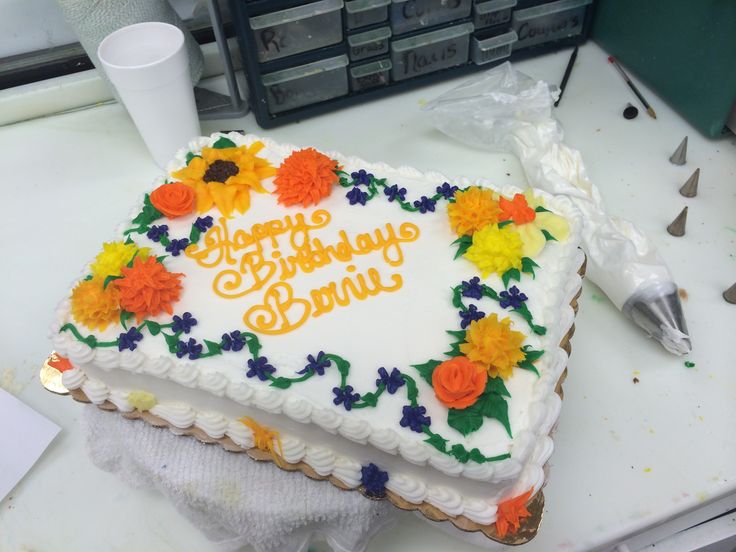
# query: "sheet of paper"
x,y
24,435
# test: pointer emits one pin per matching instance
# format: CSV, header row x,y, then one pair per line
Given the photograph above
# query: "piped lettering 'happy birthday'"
x,y
255,260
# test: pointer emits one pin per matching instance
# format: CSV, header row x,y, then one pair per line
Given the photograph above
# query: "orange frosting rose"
x,y
458,382
173,200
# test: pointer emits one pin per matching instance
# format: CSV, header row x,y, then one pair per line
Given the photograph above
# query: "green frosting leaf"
x,y
411,388
457,298
497,386
253,344
370,399
541,209
459,452
466,420
437,441
191,156
477,456
153,327
194,234
281,383
488,291
161,258
548,236
455,345
109,279
124,317
528,265
494,406
511,274
213,348
223,143
129,240
463,244
172,341
148,214
427,369
343,366
504,223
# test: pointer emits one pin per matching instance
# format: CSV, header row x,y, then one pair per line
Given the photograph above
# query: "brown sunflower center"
x,y
220,171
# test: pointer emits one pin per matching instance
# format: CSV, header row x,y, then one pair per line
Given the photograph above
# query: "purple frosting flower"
x,y
512,298
260,368
414,418
177,246
356,195
473,288
127,340
345,396
394,192
183,323
446,190
191,348
317,365
203,223
470,315
155,233
392,381
361,177
425,204
234,341
374,480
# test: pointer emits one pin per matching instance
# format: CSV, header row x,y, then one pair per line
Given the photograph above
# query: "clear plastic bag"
x,y
505,110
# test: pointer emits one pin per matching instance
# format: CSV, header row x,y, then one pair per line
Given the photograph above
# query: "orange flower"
x,y
472,209
173,200
517,209
458,382
493,344
510,512
94,305
147,288
306,176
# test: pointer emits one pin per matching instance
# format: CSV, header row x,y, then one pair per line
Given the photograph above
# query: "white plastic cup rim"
x,y
104,53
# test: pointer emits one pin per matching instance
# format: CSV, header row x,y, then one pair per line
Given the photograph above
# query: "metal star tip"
x,y
680,155
730,295
677,227
659,313
690,188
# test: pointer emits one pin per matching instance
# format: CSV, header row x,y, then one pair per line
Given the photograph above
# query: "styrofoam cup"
x,y
147,63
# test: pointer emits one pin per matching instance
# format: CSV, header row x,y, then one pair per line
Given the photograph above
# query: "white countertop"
x,y
627,455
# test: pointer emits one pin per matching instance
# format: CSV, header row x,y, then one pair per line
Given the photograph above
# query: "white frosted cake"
x,y
393,331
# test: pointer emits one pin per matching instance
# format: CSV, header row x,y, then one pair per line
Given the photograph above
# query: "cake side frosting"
x,y
499,457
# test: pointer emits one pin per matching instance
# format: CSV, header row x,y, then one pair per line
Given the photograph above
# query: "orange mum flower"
x,y
494,344
173,200
458,382
94,305
517,209
147,288
306,176
472,210
510,512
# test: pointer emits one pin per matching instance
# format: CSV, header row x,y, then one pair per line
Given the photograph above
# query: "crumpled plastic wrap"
x,y
505,110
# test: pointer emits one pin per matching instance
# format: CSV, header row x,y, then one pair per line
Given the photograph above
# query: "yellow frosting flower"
x,y
495,249
141,400
493,344
532,237
224,177
114,256
473,209
94,305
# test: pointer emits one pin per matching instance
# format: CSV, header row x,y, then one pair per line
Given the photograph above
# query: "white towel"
x,y
232,499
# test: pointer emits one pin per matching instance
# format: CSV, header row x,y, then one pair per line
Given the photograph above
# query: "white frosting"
x,y
347,440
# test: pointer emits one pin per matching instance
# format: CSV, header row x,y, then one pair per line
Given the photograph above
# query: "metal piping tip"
x,y
677,226
690,187
658,312
730,295
680,155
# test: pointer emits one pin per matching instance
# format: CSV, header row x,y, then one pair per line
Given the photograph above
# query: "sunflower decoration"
x,y
534,224
224,176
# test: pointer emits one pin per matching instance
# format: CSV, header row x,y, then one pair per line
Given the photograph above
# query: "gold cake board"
x,y
526,532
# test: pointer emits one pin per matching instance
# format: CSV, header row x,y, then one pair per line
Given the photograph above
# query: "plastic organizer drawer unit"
x,y
359,13
549,22
295,30
410,15
492,12
491,49
370,75
368,44
306,84
428,52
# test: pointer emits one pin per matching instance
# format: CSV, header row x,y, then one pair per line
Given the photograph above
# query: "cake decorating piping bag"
x,y
505,110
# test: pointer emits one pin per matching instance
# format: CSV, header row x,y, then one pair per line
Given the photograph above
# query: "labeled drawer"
x,y
295,30
492,12
368,44
306,84
360,13
410,15
370,75
492,49
428,52
547,22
